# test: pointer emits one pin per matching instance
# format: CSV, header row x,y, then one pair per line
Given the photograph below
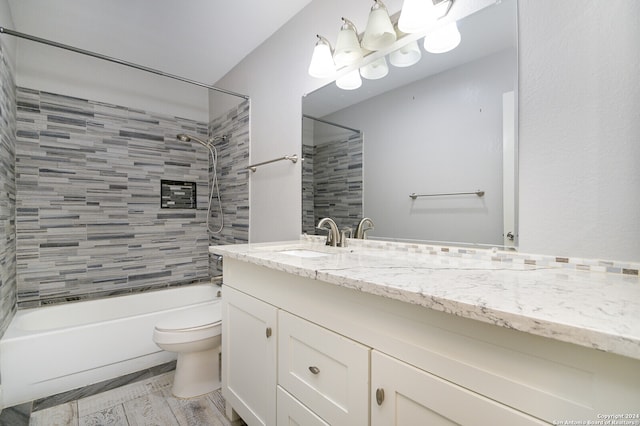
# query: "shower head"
x,y
186,138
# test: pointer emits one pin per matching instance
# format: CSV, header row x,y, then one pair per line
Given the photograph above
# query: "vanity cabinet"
x,y
340,356
249,348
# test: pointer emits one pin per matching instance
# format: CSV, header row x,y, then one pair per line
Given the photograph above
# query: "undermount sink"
x,y
304,253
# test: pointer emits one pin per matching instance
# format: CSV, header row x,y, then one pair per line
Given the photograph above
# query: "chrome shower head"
x,y
186,138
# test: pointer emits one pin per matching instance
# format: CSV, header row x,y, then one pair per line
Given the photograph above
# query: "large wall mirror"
x,y
444,129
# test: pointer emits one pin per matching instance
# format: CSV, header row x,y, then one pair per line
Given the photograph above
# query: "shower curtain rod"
x,y
117,61
330,123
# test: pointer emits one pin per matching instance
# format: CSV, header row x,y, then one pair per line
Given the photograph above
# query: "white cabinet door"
x,y
291,412
324,370
249,346
403,395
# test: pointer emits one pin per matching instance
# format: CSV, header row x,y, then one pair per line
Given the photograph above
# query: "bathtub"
x,y
57,348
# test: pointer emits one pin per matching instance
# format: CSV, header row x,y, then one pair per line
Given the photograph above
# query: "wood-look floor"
x,y
146,402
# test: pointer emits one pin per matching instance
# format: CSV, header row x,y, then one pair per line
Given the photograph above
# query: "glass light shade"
x,y
322,64
348,48
349,81
416,16
443,39
375,70
406,56
380,32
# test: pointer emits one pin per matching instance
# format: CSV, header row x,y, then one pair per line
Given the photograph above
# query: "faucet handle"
x,y
343,236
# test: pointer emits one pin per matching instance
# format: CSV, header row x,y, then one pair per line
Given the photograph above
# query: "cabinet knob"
x,y
314,370
379,396
268,332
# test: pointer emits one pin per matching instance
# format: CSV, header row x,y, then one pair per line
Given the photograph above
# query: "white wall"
x,y
579,123
579,111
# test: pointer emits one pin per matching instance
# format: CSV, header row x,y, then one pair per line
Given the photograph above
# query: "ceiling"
x,y
197,39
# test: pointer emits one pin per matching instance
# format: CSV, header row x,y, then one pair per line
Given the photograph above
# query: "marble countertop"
x,y
589,308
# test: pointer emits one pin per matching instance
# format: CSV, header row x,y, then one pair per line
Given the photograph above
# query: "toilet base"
x,y
197,373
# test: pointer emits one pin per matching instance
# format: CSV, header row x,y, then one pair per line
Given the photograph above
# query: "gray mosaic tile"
x,y
7,192
88,199
332,182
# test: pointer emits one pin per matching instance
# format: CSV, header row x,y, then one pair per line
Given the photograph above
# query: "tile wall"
x,y
89,222
336,167
233,177
308,214
7,193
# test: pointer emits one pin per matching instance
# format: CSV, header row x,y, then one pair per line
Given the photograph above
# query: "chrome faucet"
x,y
333,238
364,225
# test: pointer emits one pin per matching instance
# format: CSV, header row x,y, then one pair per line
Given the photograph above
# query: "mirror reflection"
x,y
443,129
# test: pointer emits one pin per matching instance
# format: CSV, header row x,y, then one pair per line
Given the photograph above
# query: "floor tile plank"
x,y
59,415
146,402
195,411
123,394
150,410
112,416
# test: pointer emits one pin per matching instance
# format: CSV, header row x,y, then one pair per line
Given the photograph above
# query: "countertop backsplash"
x,y
630,269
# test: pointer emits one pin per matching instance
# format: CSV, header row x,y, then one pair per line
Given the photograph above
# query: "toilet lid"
x,y
197,317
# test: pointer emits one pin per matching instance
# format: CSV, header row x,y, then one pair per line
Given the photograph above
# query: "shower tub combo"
x,y
57,348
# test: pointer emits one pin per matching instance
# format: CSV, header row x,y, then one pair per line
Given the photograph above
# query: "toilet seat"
x,y
191,319
199,323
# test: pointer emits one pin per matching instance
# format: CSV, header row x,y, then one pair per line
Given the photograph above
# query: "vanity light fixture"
x,y
443,39
380,33
322,64
348,50
417,16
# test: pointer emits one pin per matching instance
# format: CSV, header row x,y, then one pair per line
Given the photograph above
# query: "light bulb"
x,y
375,70
406,56
379,33
416,16
348,48
349,81
322,64
443,39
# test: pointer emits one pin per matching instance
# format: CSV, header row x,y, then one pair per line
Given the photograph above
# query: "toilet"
x,y
195,334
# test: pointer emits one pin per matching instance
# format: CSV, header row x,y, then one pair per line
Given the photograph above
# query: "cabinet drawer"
x,y
292,413
325,371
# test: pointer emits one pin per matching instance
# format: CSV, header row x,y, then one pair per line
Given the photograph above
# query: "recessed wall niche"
x,y
178,194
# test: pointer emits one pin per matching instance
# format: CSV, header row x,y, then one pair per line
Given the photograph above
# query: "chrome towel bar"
x,y
293,158
479,193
